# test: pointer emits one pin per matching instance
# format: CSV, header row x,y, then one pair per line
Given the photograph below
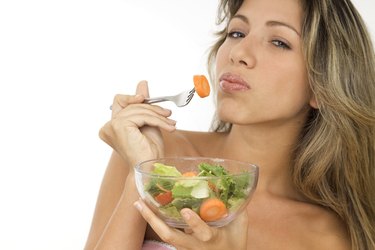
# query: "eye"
x,y
280,44
235,34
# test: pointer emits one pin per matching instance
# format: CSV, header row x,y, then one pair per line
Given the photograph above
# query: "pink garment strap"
x,y
156,245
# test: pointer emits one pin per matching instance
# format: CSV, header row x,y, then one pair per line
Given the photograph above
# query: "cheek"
x,y
290,92
288,82
300,91
280,91
221,57
291,102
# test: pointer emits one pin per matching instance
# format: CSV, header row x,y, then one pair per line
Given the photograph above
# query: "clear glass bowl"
x,y
218,190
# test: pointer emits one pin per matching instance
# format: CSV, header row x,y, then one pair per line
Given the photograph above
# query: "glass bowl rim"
x,y
254,168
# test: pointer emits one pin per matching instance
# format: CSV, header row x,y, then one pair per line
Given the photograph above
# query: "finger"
x,y
142,89
188,230
166,233
134,114
139,121
122,101
199,228
130,127
238,228
145,108
241,221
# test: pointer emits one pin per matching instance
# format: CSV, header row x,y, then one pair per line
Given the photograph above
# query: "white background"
x,y
61,62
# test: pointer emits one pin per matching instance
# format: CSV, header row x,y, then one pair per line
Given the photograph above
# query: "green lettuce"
x,y
189,193
165,170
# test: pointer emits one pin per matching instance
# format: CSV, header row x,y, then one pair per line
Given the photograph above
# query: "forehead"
x,y
289,11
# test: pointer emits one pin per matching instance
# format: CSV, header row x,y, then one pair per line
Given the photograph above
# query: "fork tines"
x,y
190,96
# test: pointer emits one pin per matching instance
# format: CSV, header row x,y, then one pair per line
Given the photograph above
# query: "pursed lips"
x,y
229,82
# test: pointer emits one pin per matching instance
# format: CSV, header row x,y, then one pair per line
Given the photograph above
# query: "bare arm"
x,y
115,205
134,134
126,227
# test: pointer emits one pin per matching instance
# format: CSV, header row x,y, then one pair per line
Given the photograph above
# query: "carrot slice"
x,y
212,209
201,85
164,198
189,174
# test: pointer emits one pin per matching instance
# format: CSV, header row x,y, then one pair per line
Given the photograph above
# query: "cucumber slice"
x,y
201,190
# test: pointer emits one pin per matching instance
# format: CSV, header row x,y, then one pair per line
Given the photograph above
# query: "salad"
x,y
210,198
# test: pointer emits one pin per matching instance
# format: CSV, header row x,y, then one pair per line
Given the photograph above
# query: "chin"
x,y
229,113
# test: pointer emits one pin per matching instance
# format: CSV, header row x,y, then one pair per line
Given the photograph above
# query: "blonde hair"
x,y
334,162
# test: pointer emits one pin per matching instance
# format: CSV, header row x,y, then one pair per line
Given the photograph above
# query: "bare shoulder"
x,y
324,228
294,224
189,143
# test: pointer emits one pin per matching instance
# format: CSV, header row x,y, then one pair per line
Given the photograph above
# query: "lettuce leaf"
x,y
165,170
211,170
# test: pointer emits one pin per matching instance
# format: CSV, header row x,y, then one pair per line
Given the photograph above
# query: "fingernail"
x,y
185,214
138,205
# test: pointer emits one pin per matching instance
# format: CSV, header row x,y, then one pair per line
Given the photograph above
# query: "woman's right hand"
x,y
134,129
199,235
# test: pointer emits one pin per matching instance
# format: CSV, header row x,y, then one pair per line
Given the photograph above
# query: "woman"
x,y
300,76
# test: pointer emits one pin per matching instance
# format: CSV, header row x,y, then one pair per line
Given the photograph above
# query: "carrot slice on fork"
x,y
201,85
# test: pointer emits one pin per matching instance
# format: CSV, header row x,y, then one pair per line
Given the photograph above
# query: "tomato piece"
x,y
164,198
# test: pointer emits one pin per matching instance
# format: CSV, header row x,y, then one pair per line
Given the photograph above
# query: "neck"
x,y
271,149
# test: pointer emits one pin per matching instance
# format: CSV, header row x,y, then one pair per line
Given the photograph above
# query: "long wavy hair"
x,y
334,161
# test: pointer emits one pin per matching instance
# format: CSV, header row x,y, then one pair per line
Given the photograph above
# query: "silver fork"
x,y
180,100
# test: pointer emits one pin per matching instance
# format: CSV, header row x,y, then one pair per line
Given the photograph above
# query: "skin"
x,y
264,49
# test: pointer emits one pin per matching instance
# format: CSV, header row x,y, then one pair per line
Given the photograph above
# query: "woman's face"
x,y
260,67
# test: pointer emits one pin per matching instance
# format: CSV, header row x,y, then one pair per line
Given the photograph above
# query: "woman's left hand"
x,y
199,235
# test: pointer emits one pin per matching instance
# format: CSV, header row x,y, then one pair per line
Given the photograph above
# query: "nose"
x,y
242,54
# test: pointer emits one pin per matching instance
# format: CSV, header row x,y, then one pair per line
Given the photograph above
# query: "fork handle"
x,y
154,100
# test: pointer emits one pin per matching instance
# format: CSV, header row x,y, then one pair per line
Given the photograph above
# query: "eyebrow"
x,y
278,23
268,23
241,17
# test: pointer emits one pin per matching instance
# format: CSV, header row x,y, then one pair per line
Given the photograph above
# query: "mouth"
x,y
229,82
